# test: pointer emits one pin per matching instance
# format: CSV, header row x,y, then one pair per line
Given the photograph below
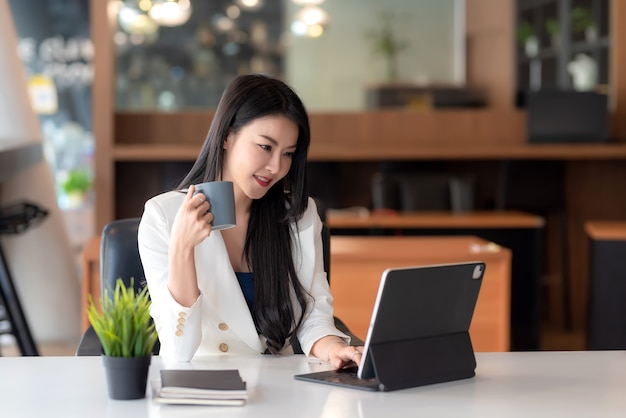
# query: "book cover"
x,y
195,401
203,387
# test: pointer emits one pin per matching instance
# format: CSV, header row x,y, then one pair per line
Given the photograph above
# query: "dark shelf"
x,y
584,46
552,60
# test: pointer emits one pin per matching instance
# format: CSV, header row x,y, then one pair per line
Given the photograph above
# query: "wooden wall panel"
x,y
490,50
395,128
189,127
618,67
102,110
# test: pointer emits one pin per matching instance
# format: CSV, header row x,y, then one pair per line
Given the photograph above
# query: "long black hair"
x,y
268,245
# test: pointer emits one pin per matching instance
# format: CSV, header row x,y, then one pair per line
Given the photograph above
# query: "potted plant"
x,y
385,43
527,38
76,185
583,22
554,31
127,334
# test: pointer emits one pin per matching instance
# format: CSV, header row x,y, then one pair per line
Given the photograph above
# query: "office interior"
x,y
464,111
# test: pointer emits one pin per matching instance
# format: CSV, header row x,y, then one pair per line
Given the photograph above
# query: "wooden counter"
x,y
375,135
357,264
429,220
606,230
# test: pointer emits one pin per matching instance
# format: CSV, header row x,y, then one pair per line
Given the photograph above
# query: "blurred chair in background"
x,y
406,192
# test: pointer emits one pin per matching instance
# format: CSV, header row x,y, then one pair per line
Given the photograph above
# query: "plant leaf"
x,y
124,325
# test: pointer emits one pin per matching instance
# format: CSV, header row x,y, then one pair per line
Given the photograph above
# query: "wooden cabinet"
x,y
606,329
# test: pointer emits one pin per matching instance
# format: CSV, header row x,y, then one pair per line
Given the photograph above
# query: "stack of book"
x,y
200,387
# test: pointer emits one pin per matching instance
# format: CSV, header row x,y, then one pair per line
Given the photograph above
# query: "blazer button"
x,y
181,320
182,314
223,347
222,326
180,327
179,333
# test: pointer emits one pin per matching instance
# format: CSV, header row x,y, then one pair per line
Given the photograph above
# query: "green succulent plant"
x,y
123,324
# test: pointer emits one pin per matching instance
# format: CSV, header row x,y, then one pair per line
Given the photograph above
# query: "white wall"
x,y
331,72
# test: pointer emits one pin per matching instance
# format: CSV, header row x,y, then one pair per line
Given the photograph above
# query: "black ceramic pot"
x,y
127,377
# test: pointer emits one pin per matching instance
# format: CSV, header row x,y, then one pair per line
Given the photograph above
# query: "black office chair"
x,y
422,192
119,258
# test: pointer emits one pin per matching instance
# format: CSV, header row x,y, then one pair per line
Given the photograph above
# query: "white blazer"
x,y
220,322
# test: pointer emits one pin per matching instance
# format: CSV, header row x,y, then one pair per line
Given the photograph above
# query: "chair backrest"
x,y
119,258
119,255
422,192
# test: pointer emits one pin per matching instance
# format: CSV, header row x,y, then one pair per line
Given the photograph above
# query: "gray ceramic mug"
x,y
221,196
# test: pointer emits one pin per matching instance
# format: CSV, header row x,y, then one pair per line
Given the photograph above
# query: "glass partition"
x,y
331,51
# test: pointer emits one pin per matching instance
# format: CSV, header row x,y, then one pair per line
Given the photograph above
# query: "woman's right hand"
x,y
192,223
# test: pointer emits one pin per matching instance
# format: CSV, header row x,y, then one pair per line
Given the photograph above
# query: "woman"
x,y
247,289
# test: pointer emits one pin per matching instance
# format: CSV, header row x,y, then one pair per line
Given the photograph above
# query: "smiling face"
x,y
259,155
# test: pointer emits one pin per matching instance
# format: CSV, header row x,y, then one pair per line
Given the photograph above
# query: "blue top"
x,y
246,281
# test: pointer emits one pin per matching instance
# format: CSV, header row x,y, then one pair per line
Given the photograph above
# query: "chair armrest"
x,y
341,326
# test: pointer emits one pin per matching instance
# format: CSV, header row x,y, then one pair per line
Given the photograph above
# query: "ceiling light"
x,y
310,22
312,16
250,4
135,21
307,2
170,12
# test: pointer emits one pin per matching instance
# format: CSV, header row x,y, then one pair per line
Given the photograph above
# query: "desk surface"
x,y
430,220
520,384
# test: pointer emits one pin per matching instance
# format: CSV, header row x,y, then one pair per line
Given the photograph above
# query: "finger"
x,y
208,218
347,356
190,191
356,356
195,199
199,199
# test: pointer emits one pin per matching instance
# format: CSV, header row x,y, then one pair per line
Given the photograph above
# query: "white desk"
x,y
515,384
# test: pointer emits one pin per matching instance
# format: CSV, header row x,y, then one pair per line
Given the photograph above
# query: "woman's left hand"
x,y
345,356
